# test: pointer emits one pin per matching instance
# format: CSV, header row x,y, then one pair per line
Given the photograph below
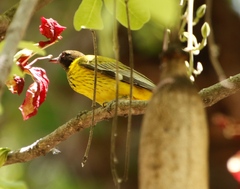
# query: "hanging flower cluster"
x,y
37,91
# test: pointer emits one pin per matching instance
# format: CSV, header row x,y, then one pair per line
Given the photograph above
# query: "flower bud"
x,y
205,30
201,11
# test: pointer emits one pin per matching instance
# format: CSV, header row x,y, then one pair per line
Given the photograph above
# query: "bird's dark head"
x,y
67,57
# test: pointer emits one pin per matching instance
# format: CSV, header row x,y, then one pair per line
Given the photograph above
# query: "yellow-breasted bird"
x,y
80,75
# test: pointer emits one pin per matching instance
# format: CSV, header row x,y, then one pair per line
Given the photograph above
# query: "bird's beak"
x,y
54,60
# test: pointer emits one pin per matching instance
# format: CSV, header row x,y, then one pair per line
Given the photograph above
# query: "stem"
x,y
190,24
190,35
33,54
85,157
39,58
212,47
129,125
113,156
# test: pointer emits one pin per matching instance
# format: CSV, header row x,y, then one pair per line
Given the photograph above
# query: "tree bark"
x,y
174,138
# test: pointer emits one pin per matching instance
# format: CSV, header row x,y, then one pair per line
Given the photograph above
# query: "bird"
x,y
80,74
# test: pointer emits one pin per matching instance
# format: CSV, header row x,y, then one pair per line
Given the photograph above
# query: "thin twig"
x,y
212,47
85,157
190,24
190,35
113,156
129,124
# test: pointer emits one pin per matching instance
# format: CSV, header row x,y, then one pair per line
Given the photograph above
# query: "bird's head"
x,y
66,58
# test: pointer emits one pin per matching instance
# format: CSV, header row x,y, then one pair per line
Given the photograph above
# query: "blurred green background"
x,y
64,170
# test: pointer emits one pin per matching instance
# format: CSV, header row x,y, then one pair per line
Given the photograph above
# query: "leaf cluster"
x,y
88,15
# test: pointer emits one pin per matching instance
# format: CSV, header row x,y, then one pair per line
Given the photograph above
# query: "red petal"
x,y
30,104
51,29
36,93
44,43
21,62
16,85
21,58
41,78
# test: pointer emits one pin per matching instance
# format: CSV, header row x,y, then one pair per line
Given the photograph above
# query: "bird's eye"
x,y
65,54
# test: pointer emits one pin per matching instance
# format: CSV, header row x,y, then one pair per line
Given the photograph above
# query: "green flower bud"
x,y
201,11
205,30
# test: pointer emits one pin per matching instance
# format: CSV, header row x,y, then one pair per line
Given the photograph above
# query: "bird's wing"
x,y
107,66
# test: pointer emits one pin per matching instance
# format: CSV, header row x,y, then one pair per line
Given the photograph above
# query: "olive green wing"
x,y
107,66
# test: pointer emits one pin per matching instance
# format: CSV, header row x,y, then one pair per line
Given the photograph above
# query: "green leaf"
x,y
7,184
3,155
16,71
28,45
31,46
88,15
138,12
165,12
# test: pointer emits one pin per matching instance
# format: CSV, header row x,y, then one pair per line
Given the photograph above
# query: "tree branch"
x,y
210,96
221,90
82,121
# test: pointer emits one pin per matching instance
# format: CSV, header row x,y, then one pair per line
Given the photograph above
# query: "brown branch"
x,y
84,120
221,90
5,20
210,96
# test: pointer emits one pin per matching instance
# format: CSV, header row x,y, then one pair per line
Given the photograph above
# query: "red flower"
x,y
51,30
36,93
15,83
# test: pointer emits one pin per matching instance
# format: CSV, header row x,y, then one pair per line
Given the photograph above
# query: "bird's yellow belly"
x,y
81,80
